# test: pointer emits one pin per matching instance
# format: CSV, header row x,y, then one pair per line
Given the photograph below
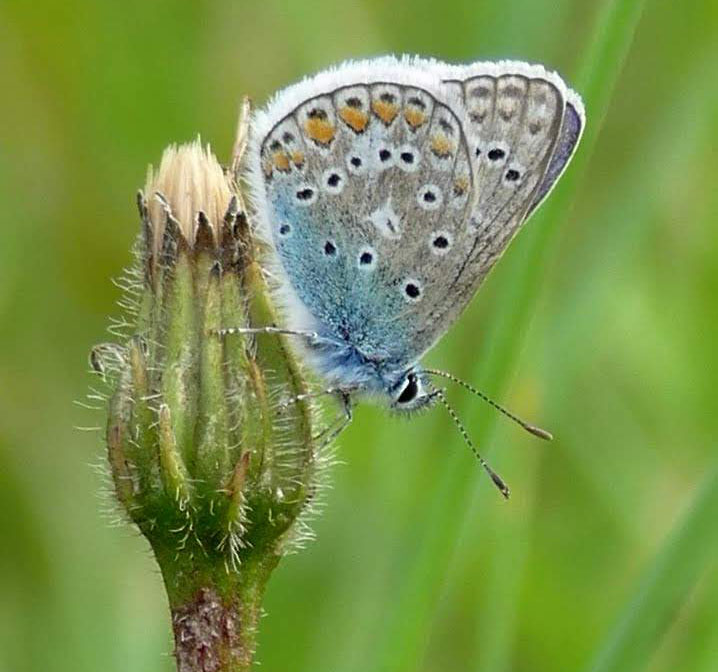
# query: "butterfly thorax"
x,y
346,365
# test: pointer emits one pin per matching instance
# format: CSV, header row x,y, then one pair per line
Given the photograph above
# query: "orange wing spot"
x,y
297,158
385,111
280,160
319,130
357,119
441,146
414,117
461,185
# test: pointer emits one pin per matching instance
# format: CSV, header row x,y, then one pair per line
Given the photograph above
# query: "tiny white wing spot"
x,y
386,221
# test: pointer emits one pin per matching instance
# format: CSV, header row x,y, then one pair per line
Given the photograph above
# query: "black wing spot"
x,y
305,194
440,242
512,175
355,161
384,155
407,157
496,154
330,249
353,102
284,229
334,179
412,290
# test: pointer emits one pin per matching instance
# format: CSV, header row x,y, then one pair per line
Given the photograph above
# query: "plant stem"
x,y
215,613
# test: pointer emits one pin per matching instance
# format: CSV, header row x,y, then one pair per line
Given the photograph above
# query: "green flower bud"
x,y
211,456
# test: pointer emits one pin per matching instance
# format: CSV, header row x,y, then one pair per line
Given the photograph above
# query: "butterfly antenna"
x,y
497,480
532,429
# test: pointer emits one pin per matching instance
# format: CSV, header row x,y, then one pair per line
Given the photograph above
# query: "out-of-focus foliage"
x,y
602,560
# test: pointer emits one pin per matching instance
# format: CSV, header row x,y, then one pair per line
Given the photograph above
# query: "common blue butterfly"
x,y
387,189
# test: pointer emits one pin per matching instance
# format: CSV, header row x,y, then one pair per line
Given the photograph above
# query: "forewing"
x,y
368,189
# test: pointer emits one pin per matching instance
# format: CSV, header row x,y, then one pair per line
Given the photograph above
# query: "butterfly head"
x,y
412,392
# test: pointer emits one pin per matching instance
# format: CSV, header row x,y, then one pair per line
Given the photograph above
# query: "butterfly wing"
x,y
522,125
356,184
388,191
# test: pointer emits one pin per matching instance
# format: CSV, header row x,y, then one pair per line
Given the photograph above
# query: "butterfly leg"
x,y
309,395
329,435
334,430
311,336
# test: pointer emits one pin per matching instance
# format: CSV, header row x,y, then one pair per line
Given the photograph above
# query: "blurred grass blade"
x,y
664,587
409,619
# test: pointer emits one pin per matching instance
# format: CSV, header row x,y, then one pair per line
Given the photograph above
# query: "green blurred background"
x,y
600,323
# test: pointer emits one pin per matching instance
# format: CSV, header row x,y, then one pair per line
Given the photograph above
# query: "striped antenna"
x,y
532,429
497,480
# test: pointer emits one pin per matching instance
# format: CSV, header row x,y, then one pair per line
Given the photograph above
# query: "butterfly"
x,y
386,190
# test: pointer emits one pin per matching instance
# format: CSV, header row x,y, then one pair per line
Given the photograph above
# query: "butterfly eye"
x,y
410,391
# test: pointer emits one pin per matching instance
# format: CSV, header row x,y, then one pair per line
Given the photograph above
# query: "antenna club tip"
x,y
499,483
541,433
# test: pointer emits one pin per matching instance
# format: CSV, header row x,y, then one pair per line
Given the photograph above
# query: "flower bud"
x,y
211,456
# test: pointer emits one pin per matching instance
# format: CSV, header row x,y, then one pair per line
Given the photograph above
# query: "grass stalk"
x,y
410,616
